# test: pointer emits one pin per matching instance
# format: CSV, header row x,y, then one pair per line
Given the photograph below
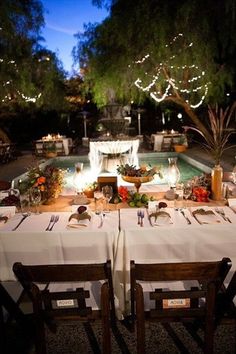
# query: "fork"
x,y
51,220
142,217
139,216
54,222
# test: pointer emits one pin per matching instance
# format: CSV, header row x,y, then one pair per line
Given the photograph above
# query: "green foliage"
x,y
107,51
29,75
217,130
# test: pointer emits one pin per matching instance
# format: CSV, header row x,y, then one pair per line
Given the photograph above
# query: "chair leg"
x,y
40,339
2,332
105,308
140,320
209,326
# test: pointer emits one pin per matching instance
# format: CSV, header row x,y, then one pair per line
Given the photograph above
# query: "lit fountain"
x,y
115,144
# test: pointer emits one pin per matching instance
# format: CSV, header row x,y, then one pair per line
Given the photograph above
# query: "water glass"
x,y
25,204
107,193
98,197
187,191
35,198
179,196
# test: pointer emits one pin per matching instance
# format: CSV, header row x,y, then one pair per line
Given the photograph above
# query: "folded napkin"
x,y
6,213
3,219
160,218
232,203
75,223
206,216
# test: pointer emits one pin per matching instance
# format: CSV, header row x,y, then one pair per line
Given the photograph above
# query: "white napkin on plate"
x,y
208,218
163,218
78,224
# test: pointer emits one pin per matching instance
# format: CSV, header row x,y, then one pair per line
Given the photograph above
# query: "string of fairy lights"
x,y
8,97
171,83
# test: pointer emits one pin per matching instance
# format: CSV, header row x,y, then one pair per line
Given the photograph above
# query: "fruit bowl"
x,y
137,180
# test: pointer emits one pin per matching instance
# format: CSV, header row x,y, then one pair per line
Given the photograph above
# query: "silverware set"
x,y
140,215
53,220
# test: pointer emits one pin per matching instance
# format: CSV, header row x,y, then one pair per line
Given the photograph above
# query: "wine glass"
x,y
187,191
98,195
107,192
35,198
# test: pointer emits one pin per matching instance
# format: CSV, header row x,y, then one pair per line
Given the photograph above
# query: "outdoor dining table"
x,y
40,144
158,138
120,238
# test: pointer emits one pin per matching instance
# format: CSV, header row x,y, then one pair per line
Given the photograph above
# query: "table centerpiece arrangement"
x,y
138,175
49,181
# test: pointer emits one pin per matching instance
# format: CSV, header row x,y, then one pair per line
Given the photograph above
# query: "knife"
x,y
23,218
101,220
186,218
149,219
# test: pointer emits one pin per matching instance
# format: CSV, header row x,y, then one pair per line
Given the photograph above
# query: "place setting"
x,y
212,215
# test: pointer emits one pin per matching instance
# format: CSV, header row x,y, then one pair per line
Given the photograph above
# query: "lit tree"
x,y
29,74
107,51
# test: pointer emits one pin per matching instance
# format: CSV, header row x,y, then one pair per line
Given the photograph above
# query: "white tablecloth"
x,y
171,243
30,243
158,139
65,141
174,242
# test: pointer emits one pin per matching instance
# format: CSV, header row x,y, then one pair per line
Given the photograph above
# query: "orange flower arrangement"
x,y
49,181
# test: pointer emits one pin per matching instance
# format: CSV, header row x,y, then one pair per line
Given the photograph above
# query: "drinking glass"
x,y
35,198
187,191
25,204
98,195
178,202
107,193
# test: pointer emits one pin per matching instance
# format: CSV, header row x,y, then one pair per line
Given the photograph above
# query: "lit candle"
x,y
172,131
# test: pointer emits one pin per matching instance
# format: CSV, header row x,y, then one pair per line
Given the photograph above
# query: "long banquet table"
x,y
119,239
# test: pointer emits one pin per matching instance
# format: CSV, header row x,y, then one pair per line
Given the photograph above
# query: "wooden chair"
x,y
226,302
14,311
209,277
49,306
166,144
60,147
38,148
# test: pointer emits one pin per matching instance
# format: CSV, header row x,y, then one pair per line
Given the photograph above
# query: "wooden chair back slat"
x,y
177,305
49,305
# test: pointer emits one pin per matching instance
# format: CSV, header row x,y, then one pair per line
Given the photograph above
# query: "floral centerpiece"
x,y
138,175
49,181
142,171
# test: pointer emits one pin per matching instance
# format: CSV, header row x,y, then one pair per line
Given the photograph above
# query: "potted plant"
x,y
216,134
50,149
180,144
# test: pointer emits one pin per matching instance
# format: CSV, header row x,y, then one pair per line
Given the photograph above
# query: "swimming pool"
x,y
188,167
